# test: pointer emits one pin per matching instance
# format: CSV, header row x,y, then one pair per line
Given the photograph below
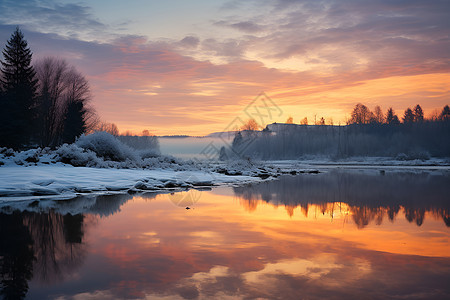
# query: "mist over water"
x,y
192,147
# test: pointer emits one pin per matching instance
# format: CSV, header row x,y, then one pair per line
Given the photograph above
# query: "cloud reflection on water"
x,y
134,247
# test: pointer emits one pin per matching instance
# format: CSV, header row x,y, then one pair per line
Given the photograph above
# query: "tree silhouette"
x,y
378,114
304,121
250,125
74,124
290,120
361,115
110,128
321,121
46,105
78,95
19,84
418,114
63,97
445,114
52,75
408,117
391,117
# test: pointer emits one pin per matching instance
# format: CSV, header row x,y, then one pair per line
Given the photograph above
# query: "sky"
x,y
196,67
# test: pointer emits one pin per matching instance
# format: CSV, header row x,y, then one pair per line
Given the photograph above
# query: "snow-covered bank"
x,y
65,182
100,164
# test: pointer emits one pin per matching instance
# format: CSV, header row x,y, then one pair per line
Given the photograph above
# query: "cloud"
x,y
309,53
382,34
72,20
230,48
190,41
245,26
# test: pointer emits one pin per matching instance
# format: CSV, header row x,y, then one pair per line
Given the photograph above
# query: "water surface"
x,y
338,234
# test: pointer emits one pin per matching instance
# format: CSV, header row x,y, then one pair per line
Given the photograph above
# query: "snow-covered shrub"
x,y
148,153
413,154
419,154
78,157
107,147
7,151
28,156
401,157
162,162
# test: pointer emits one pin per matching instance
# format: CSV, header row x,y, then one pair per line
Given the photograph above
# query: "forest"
x,y
366,134
48,103
45,104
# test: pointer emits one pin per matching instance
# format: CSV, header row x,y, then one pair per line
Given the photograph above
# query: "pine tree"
x,y
408,116
391,117
19,84
445,114
418,114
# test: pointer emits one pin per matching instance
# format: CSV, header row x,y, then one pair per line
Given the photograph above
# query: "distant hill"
x,y
221,134
175,136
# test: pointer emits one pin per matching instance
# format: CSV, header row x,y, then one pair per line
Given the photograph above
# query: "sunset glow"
x,y
180,67
212,241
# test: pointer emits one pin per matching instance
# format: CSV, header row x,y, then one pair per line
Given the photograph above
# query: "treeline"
x,y
45,104
367,134
361,114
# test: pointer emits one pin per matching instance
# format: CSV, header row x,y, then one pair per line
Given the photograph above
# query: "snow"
x,y
101,164
18,183
106,146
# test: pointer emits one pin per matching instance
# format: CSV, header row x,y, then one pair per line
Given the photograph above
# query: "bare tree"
x,y
92,119
361,115
304,121
62,90
250,125
330,121
110,128
378,114
290,120
51,74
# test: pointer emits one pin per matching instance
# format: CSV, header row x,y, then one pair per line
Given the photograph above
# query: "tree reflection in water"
x,y
371,196
16,256
46,246
58,246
